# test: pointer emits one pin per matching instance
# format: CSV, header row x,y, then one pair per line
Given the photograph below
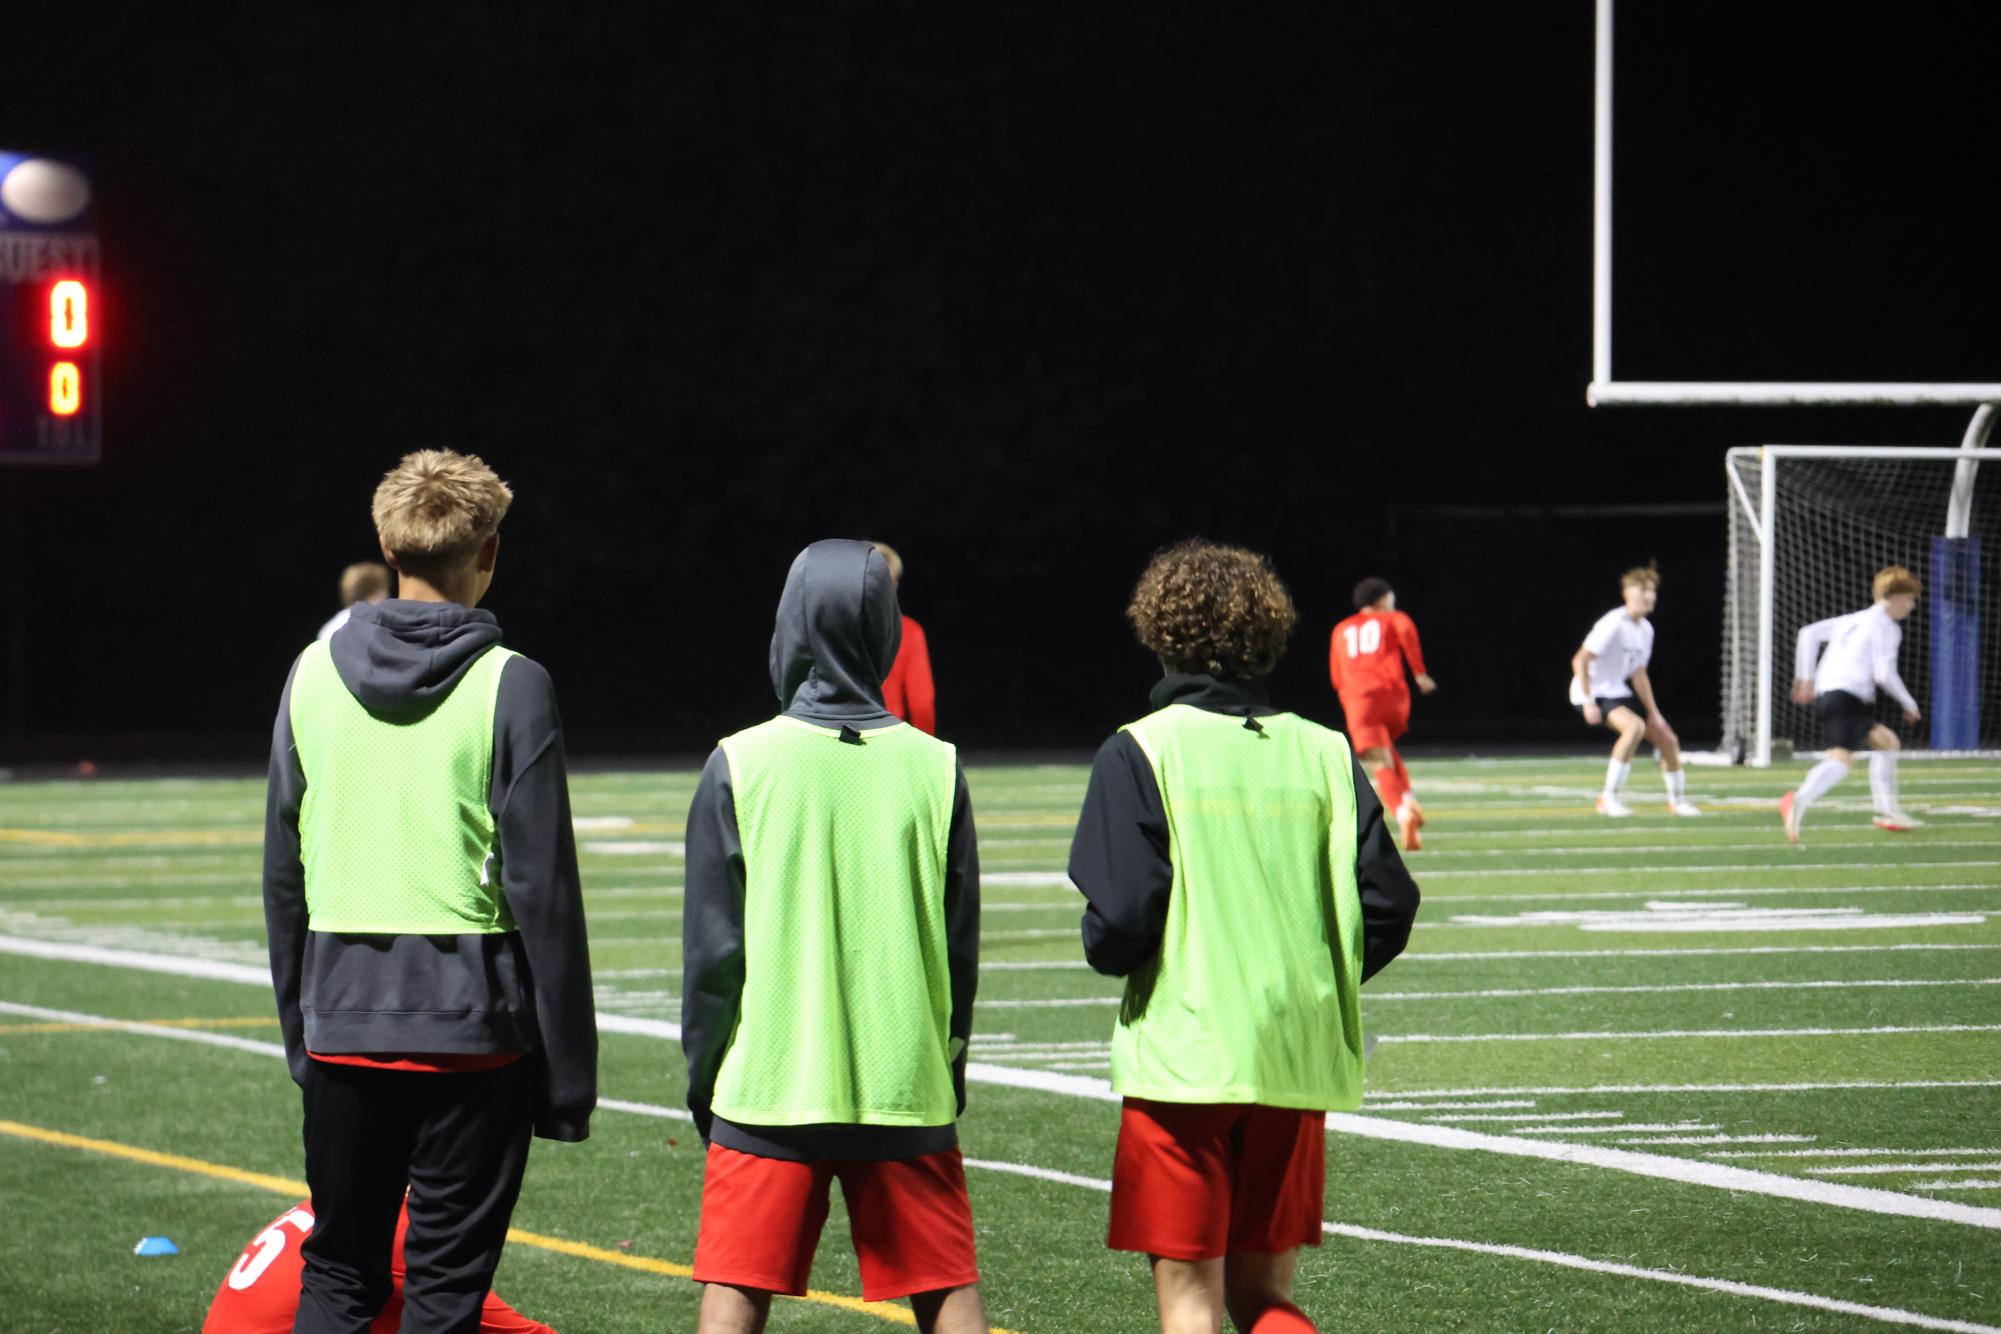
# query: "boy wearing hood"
x,y
1240,877
830,948
425,917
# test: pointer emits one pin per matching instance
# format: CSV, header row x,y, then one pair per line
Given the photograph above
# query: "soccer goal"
x,y
1809,527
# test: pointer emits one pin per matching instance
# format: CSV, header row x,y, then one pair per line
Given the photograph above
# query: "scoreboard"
x,y
51,382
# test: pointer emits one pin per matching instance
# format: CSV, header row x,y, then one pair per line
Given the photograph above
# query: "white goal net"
x,y
1809,528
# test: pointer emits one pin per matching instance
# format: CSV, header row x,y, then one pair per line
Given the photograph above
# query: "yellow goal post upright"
x,y
1806,519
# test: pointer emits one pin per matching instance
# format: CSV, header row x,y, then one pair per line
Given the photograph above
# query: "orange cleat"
x,y
1791,820
1410,819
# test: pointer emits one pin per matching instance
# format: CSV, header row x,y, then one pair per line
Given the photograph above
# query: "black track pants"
x,y
459,1143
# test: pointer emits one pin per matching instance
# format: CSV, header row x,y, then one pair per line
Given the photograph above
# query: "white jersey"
x,y
1861,655
1619,647
335,622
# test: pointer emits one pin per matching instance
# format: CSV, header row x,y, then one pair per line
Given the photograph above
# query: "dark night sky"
x,y
1028,294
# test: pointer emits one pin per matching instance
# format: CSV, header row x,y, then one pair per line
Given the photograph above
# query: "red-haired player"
x,y
261,1293
1366,662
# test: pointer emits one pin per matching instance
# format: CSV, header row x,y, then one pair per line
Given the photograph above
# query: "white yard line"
x,y
1818,1087
145,1030
1695,847
1664,1127
1446,956
1388,1038
1666,1167
1955,1185
1887,1314
1428,872
1849,1153
1530,1116
1517,993
1747,891
1883,1169
1402,1106
1722,1139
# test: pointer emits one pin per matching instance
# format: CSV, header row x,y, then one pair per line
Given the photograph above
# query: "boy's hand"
x,y
1912,716
1425,684
1802,691
1592,713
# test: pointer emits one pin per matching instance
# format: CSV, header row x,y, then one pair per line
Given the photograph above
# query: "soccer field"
x,y
1643,1074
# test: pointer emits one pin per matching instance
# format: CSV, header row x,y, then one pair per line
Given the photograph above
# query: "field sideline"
x,y
1653,1073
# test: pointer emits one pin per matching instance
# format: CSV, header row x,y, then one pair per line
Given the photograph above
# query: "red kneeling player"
x,y
261,1294
1366,661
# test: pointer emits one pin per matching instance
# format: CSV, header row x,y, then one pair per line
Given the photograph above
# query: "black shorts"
x,y
1606,705
1845,718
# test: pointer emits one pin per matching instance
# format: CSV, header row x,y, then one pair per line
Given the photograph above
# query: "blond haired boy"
x,y
1608,677
1861,656
364,581
425,917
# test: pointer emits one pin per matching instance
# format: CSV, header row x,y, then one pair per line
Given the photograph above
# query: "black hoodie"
x,y
1121,859
835,638
526,990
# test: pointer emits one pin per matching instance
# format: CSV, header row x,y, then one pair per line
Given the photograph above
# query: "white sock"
x,y
1883,781
1676,785
1818,780
1615,776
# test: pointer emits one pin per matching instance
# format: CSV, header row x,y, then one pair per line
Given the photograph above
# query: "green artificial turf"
x,y
1542,983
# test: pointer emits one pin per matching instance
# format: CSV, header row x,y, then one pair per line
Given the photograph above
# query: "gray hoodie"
x,y
835,638
526,990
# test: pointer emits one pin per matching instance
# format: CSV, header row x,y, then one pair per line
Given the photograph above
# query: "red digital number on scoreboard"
x,y
68,308
69,314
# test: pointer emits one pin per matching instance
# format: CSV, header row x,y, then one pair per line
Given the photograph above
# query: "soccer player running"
x,y
1366,661
1240,877
1608,677
425,917
1861,657
830,948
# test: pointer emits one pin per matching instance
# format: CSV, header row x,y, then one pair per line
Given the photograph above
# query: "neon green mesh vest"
x,y
1254,996
394,830
847,998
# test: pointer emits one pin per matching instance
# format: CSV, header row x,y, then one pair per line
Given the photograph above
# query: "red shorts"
x,y
911,1220
1377,719
1195,1181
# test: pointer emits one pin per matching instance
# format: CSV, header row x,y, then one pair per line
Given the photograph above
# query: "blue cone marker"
x,y
156,1246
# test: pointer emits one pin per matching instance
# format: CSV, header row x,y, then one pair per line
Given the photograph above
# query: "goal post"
x,y
1809,527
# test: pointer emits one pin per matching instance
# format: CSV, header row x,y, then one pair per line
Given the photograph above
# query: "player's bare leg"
x,y
1883,748
1668,746
1631,730
1257,1290
731,1310
1190,1294
1392,783
1832,768
950,1310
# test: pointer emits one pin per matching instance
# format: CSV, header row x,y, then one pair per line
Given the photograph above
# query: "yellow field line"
x,y
73,1027
296,1189
126,838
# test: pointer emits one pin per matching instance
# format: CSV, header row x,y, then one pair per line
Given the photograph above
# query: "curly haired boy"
x,y
1240,877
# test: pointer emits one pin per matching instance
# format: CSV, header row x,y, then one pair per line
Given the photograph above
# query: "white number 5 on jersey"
x,y
270,1244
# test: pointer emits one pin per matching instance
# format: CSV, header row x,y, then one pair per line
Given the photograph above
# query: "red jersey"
x,y
261,1294
1369,650
908,692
